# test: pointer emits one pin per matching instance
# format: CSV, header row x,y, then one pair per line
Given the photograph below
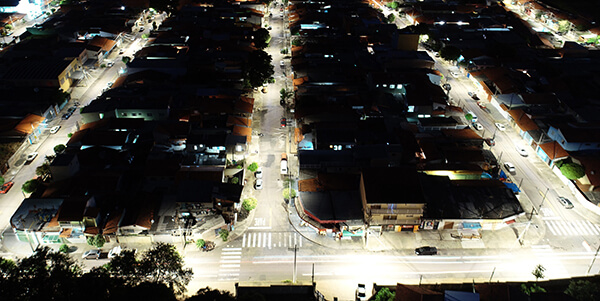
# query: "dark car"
x,y
473,95
283,122
489,141
565,202
426,251
66,116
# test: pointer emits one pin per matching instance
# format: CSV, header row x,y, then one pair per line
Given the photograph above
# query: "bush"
x,y
69,135
200,243
64,248
289,193
253,167
572,171
249,204
60,148
224,234
235,180
2,180
30,186
97,241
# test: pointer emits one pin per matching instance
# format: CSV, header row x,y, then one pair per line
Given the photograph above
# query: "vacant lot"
x,y
6,151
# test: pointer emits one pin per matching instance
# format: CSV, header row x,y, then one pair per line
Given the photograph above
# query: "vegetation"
x,y
469,117
97,241
253,167
385,294
572,171
7,150
224,234
534,288
261,38
200,243
284,94
30,186
249,204
393,5
43,170
60,148
235,180
582,290
162,264
391,18
289,193
450,53
206,294
538,272
63,248
2,180
258,69
126,59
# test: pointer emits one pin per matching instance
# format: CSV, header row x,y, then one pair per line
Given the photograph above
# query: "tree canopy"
x,y
572,171
30,186
261,38
450,53
258,68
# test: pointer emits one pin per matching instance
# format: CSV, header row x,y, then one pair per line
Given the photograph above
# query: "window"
x,y
392,86
390,217
133,114
124,114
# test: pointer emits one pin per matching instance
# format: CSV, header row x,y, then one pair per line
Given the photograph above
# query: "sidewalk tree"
x,y
285,94
469,117
538,272
582,290
224,234
200,243
59,148
163,264
253,167
249,204
258,68
30,186
43,170
261,38
63,248
289,193
125,267
385,294
391,18
572,171
450,53
97,241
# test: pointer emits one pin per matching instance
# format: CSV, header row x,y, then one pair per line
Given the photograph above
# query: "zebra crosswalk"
x,y
271,240
229,268
564,228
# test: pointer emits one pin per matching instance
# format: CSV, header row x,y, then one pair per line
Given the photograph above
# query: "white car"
x,y
454,74
473,116
281,64
31,156
114,252
510,167
92,254
258,174
54,129
500,126
361,292
477,126
258,185
521,150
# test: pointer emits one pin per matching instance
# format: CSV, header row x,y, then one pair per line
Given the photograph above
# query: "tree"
x,y
126,59
385,294
2,180
289,193
393,5
450,53
572,171
391,18
582,290
538,272
30,186
63,248
59,148
163,264
258,68
224,234
469,117
249,204
97,241
253,167
261,38
125,267
235,180
43,170
285,94
534,288
208,294
563,26
200,243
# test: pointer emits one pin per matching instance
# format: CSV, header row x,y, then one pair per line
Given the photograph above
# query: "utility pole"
x,y
492,274
593,259
295,249
313,273
545,194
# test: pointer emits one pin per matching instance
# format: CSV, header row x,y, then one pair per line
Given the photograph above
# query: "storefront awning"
x,y
471,225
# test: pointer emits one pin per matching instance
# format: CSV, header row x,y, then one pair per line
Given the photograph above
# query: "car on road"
x,y
283,122
281,64
473,95
258,174
114,252
284,164
500,126
489,141
481,105
6,187
521,150
426,251
72,109
510,167
76,103
477,126
54,129
110,64
454,74
565,202
31,156
92,254
258,185
361,292
66,116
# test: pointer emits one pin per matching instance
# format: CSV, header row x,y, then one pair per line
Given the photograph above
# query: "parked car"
x,y
426,251
510,167
454,74
114,252
521,150
72,109
361,292
54,129
110,64
281,64
284,164
258,185
565,202
481,105
477,126
6,187
489,141
92,254
258,174
31,156
473,95
473,116
283,122
500,126
66,116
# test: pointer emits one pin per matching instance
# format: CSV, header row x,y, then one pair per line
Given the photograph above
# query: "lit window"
x,y
392,86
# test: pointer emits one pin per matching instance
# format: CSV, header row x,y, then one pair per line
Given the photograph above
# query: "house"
x,y
64,166
576,136
32,216
48,72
